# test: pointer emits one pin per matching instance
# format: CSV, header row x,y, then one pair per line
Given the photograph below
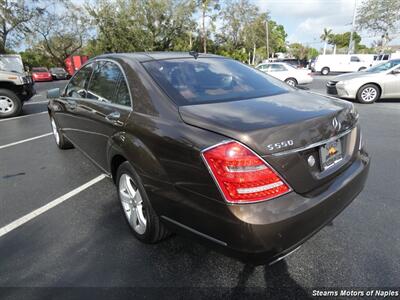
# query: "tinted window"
x,y
277,67
123,97
384,66
355,59
386,57
104,83
78,84
193,81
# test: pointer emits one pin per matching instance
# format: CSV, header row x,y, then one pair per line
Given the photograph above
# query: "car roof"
x,y
148,56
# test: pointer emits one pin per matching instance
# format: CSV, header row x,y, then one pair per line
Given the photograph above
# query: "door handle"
x,y
113,117
72,104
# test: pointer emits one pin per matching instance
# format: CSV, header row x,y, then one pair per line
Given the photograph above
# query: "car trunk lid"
x,y
275,126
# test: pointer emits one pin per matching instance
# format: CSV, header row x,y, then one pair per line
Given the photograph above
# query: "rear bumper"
x,y
263,232
273,228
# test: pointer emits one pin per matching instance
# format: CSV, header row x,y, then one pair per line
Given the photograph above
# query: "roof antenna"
x,y
195,54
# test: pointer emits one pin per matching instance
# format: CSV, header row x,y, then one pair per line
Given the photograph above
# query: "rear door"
x,y
103,112
392,85
278,71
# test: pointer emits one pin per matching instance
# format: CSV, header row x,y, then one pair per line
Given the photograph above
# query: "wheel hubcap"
x,y
369,94
55,131
6,104
290,82
132,203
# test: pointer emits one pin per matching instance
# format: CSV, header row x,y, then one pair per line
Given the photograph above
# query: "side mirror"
x,y
53,93
396,71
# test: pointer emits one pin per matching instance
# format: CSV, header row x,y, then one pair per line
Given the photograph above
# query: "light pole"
x,y
351,43
267,37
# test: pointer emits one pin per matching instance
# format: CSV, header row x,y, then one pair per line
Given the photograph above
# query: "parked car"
x,y
15,86
41,74
209,147
342,63
286,73
378,82
59,73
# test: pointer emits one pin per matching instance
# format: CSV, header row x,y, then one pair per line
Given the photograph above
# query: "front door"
x,y
103,112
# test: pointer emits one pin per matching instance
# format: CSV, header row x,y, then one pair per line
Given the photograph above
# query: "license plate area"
x,y
330,154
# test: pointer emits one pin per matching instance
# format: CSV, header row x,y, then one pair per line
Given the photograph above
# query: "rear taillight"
x,y
242,176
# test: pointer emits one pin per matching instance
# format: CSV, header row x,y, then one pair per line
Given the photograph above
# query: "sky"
x,y
304,20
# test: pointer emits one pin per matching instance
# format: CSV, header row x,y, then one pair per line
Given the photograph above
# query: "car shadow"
x,y
101,252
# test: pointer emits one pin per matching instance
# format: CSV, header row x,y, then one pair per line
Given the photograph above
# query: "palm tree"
x,y
325,37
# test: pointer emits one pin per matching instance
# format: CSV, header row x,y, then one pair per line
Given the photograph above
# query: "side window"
x,y
78,84
277,68
354,59
123,97
104,83
263,67
386,57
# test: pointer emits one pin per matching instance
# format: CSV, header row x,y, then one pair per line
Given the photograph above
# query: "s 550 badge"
x,y
280,145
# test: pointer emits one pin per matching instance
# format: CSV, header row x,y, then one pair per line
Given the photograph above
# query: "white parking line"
x,y
17,223
26,140
20,117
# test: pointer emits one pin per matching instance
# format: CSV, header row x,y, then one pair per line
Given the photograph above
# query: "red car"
x,y
41,74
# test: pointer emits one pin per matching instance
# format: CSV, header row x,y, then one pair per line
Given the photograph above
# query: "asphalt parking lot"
x,y
84,241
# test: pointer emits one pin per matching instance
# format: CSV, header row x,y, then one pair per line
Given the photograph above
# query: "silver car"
x,y
378,82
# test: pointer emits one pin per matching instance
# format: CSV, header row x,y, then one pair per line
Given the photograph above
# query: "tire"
x,y
368,94
361,69
139,214
291,81
61,141
325,71
10,104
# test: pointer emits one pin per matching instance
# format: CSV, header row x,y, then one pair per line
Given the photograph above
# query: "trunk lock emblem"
x,y
311,161
336,125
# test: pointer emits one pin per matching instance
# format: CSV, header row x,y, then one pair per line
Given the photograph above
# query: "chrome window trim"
x,y
313,145
125,78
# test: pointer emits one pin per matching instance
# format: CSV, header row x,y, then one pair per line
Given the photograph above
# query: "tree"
x,y
35,58
342,40
15,16
60,31
379,17
325,37
140,25
298,51
312,53
207,10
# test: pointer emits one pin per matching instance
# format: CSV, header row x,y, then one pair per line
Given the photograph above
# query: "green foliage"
x,y
312,53
342,40
326,34
35,58
142,25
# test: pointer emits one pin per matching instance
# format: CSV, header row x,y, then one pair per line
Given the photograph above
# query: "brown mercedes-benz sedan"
x,y
207,146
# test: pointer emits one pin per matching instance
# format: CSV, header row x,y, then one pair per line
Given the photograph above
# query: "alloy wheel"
x,y
369,94
6,104
132,203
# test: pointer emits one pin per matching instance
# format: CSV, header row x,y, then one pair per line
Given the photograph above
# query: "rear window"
x,y
204,80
